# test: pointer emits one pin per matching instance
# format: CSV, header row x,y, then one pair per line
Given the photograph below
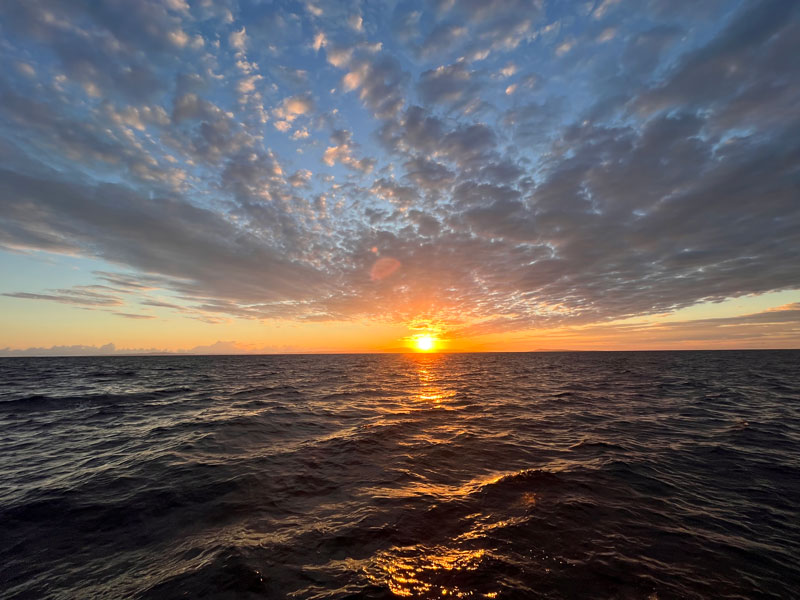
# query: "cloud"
x,y
238,40
453,85
293,107
101,51
508,70
300,178
110,349
342,152
523,174
248,84
565,46
747,54
774,328
603,7
443,37
485,27
87,296
401,195
379,81
198,251
428,175
606,35
75,350
419,131
134,316
356,22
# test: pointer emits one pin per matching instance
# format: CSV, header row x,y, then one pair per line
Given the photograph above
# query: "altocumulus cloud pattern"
x,y
492,165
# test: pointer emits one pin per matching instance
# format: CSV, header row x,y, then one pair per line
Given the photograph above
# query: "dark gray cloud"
x,y
134,316
199,250
422,134
442,38
380,83
79,296
427,174
454,86
748,57
99,44
473,29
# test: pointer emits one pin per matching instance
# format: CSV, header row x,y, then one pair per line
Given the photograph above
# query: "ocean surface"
x,y
647,475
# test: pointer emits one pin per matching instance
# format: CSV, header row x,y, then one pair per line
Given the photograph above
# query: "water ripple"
x,y
565,475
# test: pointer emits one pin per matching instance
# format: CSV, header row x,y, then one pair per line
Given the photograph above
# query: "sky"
x,y
346,176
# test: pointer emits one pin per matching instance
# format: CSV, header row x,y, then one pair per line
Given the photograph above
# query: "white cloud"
x,y
356,22
565,46
508,70
607,34
179,38
320,41
604,7
238,40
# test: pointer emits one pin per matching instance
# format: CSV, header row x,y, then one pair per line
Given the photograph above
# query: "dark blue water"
x,y
565,475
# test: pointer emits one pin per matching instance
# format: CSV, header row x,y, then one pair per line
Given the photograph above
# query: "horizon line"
x,y
336,353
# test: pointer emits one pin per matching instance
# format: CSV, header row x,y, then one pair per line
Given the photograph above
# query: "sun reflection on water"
x,y
427,572
430,388
450,569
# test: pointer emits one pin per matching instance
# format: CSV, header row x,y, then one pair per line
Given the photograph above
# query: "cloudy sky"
x,y
332,175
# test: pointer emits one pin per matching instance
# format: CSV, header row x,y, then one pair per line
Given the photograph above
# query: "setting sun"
x,y
424,343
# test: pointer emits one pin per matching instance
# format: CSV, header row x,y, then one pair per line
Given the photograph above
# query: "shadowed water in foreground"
x,y
563,475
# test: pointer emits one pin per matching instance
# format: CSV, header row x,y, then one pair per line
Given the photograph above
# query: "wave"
x,y
525,476
38,402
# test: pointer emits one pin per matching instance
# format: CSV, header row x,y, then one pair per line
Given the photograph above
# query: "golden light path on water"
x,y
412,575
431,571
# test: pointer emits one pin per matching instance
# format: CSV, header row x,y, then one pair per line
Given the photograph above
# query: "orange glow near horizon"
x,y
55,326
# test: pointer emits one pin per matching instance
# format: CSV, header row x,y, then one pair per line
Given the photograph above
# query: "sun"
x,y
424,343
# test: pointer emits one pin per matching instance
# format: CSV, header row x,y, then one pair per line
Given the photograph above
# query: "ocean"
x,y
619,475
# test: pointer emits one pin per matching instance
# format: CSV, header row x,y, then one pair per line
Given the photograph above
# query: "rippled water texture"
x,y
566,475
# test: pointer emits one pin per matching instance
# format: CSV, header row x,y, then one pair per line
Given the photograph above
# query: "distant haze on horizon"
x,y
241,176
